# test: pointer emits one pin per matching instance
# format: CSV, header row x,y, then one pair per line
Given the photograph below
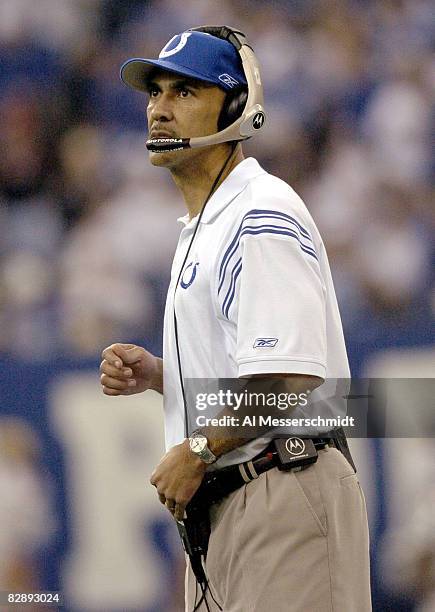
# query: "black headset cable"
x,y
180,371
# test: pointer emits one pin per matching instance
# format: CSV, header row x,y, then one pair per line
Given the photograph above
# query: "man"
x,y
251,297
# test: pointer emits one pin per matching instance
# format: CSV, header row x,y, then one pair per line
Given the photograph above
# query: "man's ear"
x,y
232,108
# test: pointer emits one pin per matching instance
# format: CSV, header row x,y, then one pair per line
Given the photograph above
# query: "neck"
x,y
196,177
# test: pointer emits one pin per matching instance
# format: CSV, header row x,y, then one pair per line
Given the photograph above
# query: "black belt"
x,y
219,483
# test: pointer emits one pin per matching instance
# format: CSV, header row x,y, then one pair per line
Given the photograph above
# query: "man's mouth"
x,y
160,134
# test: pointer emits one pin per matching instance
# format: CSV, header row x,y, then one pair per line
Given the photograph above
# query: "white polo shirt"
x,y
256,295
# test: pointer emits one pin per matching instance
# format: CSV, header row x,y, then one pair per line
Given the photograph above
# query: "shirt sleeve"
x,y
277,297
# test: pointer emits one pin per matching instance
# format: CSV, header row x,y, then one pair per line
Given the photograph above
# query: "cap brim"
x,y
135,72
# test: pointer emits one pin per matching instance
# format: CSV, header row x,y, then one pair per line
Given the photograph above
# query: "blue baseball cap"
x,y
192,54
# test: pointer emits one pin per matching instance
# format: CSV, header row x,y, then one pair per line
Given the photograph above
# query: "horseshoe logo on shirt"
x,y
185,282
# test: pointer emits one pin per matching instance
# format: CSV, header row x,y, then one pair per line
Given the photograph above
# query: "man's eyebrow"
x,y
186,82
180,83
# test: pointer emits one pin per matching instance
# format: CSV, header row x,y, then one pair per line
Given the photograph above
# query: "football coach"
x,y
267,524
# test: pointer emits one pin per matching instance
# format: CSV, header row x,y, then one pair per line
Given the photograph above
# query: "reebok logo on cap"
x,y
228,80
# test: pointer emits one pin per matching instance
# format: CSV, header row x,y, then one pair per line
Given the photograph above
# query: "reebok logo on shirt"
x,y
265,342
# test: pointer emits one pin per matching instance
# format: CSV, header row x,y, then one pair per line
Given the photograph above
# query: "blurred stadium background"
x,y
87,232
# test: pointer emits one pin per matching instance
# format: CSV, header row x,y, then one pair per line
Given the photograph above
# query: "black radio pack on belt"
x,y
293,453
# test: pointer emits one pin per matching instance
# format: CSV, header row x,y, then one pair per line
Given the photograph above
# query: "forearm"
x,y
225,438
157,382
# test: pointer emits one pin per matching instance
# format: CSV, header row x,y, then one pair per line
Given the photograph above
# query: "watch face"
x,y
198,444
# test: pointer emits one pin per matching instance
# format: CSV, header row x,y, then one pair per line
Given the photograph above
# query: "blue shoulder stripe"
x,y
252,230
259,214
280,214
277,229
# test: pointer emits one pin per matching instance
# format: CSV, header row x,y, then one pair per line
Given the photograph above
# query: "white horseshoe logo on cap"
x,y
181,44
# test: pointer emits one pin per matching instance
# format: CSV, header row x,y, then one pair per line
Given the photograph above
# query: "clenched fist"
x,y
128,369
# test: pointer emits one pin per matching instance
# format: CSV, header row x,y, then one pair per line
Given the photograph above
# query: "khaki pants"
x,y
290,542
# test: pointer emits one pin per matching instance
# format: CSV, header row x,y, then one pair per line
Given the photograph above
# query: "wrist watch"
x,y
199,446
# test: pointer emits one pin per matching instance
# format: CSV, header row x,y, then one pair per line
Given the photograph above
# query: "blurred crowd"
x,y
88,228
26,518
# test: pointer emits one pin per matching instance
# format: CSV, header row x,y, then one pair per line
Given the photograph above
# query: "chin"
x,y
169,159
162,159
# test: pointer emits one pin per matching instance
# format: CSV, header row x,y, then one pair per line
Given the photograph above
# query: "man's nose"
x,y
161,109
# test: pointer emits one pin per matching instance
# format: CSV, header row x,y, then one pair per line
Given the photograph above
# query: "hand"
x,y
177,478
128,369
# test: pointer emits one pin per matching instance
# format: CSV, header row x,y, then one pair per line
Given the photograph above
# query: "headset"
x,y
243,113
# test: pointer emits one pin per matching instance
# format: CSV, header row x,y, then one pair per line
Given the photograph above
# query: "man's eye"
x,y
184,93
153,91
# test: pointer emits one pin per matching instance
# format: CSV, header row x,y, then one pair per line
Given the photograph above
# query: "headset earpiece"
x,y
232,108
235,100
